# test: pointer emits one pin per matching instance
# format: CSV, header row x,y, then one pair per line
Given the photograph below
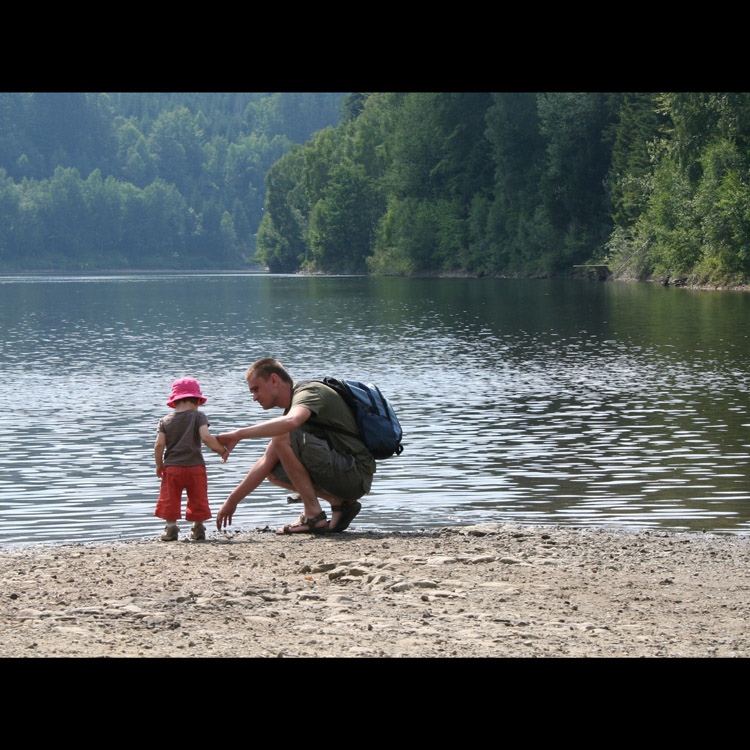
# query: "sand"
x,y
465,591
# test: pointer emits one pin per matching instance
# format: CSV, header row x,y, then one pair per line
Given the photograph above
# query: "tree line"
x,y
655,185
143,180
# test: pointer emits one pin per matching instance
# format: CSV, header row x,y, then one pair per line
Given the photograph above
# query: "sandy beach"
x,y
468,591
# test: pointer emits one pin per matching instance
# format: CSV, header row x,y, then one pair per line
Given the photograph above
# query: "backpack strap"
x,y
325,425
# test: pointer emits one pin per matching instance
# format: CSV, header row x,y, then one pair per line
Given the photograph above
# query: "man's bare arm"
x,y
268,429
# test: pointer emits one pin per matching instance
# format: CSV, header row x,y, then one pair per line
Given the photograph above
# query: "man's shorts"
x,y
194,481
331,472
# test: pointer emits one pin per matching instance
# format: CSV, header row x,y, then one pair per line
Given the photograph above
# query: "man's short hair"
x,y
264,368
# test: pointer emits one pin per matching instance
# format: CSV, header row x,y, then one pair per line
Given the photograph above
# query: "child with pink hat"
x,y
179,461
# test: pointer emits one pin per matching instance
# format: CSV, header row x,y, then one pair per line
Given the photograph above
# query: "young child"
x,y
179,462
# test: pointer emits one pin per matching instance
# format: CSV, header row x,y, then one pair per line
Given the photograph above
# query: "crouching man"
x,y
306,454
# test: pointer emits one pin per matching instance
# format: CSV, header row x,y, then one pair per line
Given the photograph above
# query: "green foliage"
x,y
282,236
352,106
512,233
694,219
629,180
340,232
456,182
391,183
142,180
531,184
408,237
577,128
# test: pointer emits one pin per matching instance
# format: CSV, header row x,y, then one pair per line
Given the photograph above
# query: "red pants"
x,y
174,480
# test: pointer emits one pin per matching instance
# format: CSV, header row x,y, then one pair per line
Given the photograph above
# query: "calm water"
x,y
527,401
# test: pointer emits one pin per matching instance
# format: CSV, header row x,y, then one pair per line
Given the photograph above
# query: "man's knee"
x,y
281,443
288,449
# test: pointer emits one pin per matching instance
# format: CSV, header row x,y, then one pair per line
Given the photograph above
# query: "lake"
x,y
524,401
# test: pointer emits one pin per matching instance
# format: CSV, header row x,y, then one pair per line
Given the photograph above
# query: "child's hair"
x,y
192,400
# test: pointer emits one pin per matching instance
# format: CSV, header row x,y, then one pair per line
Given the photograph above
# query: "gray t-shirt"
x,y
183,437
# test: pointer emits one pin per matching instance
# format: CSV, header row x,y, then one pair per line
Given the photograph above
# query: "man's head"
x,y
269,381
264,368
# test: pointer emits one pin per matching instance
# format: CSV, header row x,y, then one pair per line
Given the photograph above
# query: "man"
x,y
306,453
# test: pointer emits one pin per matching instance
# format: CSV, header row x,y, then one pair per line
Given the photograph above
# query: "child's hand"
x,y
229,444
160,472
223,451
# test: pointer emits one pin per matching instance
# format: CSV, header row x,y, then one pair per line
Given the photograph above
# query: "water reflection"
x,y
523,401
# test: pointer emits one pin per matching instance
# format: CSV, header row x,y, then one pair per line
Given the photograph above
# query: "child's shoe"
x,y
198,533
170,533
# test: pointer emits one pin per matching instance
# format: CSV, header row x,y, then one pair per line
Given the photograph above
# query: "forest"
x,y
652,185
143,180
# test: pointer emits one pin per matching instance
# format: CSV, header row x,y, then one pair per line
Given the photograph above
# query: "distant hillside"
x,y
143,180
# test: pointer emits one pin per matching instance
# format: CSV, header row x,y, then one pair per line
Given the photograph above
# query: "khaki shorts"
x,y
330,471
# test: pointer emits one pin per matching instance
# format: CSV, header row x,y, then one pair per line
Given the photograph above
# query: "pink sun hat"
x,y
185,388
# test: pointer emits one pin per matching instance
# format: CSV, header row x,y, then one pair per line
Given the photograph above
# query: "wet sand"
x,y
471,591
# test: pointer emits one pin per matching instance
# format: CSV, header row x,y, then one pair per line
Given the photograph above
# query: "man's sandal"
x,y
305,525
348,511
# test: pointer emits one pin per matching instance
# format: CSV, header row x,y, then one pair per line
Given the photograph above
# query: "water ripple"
x,y
521,401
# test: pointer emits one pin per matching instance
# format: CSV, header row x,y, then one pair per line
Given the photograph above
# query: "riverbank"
x,y
603,276
473,591
683,283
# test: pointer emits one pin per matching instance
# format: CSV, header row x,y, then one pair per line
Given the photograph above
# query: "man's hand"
x,y
224,516
229,441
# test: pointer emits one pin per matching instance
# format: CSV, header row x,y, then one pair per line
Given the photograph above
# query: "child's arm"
x,y
159,446
212,442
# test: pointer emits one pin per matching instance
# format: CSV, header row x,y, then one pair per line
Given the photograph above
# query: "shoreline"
x,y
485,591
259,271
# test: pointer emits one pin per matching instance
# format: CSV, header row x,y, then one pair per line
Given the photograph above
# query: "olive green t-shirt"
x,y
329,408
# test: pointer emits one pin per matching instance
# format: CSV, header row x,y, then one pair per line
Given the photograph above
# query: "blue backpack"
x,y
379,428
